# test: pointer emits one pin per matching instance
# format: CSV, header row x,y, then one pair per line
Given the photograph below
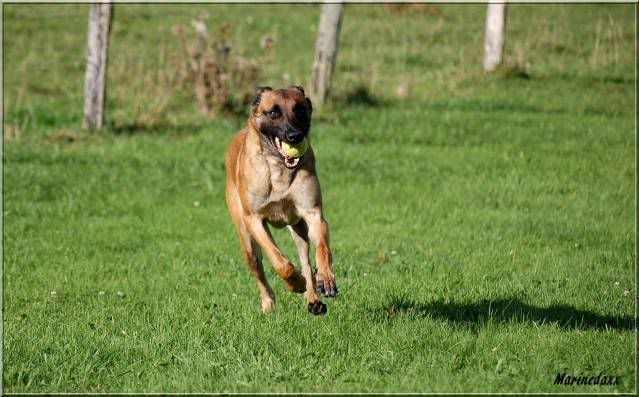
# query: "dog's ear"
x,y
309,105
258,96
297,87
260,90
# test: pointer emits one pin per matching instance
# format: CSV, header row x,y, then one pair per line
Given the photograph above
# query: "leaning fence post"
x,y
494,40
326,48
95,77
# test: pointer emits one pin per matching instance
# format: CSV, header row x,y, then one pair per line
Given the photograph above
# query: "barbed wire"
x,y
80,63
116,14
49,16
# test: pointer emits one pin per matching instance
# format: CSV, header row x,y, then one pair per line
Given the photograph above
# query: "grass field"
x,y
483,228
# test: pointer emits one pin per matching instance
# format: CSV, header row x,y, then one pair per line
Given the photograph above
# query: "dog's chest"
x,y
272,195
279,211
278,208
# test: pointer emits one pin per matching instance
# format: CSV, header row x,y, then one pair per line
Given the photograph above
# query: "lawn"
x,y
482,227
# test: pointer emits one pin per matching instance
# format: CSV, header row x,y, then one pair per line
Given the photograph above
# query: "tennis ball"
x,y
295,149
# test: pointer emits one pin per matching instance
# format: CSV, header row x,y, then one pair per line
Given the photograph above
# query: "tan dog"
x,y
264,185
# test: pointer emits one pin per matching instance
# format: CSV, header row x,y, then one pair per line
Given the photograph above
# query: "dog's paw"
x,y
268,305
296,283
317,308
325,285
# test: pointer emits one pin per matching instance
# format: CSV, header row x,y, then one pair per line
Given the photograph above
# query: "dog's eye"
x,y
301,113
273,114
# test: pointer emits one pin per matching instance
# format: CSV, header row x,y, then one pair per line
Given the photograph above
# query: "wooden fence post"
x,y
495,32
95,78
325,51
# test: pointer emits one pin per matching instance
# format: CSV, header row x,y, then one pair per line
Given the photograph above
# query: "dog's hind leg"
x,y
250,250
292,277
253,258
299,232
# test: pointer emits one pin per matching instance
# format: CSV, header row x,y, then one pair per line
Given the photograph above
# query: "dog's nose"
x,y
294,136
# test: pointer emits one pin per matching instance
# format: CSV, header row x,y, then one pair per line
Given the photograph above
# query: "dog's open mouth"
x,y
289,162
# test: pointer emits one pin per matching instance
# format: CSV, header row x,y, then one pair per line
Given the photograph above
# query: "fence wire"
x,y
116,14
81,64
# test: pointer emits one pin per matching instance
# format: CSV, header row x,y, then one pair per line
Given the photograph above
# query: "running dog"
x,y
265,185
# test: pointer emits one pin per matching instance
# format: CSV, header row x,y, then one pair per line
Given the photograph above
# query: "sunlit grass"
x,y
483,227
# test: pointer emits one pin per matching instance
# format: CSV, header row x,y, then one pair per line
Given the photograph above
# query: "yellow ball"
x,y
295,149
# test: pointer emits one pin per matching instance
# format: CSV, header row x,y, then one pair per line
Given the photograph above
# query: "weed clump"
x,y
221,83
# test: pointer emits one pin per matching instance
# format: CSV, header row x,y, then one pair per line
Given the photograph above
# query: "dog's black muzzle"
x,y
293,135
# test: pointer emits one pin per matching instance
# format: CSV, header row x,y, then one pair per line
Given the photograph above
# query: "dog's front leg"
x,y
258,229
300,237
318,233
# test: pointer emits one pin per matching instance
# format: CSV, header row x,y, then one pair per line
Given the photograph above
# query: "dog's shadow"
x,y
503,310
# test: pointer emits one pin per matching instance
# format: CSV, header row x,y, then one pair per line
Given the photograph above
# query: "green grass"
x,y
483,229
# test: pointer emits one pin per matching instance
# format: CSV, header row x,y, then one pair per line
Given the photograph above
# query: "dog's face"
x,y
282,115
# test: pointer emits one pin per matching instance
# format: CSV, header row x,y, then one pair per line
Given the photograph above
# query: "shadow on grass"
x,y
505,310
151,128
359,95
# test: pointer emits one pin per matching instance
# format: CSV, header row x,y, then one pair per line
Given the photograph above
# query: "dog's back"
x,y
232,153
